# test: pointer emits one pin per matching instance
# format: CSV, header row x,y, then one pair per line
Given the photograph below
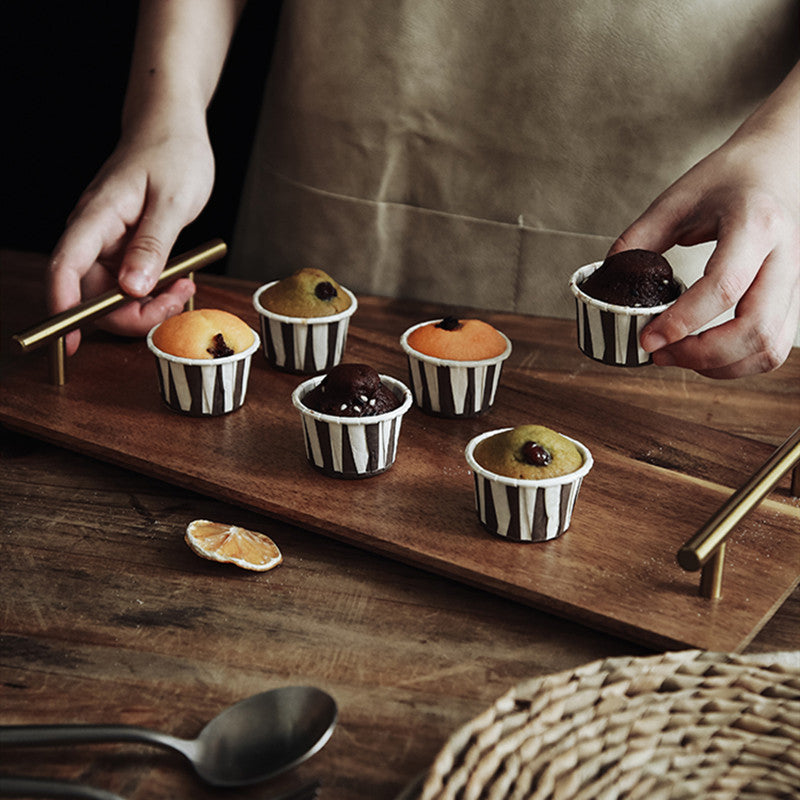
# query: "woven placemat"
x,y
679,725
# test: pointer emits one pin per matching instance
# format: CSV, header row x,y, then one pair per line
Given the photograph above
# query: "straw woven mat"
x,y
689,724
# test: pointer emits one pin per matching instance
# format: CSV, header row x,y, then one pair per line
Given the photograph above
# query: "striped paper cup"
x,y
304,345
610,333
525,510
449,388
351,447
203,387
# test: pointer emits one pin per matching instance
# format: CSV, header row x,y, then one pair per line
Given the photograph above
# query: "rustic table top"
x,y
108,617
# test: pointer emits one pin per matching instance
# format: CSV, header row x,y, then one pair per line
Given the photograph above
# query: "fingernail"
x,y
136,283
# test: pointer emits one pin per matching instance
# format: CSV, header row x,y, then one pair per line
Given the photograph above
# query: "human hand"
x,y
746,197
124,226
755,268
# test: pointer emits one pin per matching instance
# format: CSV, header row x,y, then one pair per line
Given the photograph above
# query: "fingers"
x,y
137,318
760,336
744,247
700,352
147,251
675,217
98,235
75,257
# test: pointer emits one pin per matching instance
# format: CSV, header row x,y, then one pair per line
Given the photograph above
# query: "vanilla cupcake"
x,y
454,365
527,480
304,321
616,298
203,360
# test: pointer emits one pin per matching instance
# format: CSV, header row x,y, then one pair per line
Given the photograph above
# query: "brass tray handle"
x,y
53,330
706,549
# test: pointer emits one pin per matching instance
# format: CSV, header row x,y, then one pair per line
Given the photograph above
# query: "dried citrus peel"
x,y
231,544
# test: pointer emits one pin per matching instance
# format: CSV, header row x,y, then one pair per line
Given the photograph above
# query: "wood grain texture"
x,y
108,616
656,479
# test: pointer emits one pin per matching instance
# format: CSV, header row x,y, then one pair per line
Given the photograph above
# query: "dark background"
x,y
64,73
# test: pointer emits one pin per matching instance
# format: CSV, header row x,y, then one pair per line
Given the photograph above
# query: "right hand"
x,y
124,226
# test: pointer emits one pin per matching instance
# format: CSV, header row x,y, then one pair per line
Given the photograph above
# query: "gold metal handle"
x,y
706,549
53,330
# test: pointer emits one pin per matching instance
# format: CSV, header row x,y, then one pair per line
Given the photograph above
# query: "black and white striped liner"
x,y
307,345
351,447
203,387
607,332
447,388
526,511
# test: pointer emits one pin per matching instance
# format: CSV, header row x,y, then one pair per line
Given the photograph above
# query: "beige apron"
x,y
476,152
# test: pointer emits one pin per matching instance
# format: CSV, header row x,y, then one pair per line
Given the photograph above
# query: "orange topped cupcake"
x,y
203,333
458,340
203,359
454,365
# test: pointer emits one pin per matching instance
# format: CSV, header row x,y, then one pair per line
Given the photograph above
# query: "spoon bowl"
x,y
251,741
264,735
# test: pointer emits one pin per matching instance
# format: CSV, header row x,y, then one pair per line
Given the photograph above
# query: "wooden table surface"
x,y
108,617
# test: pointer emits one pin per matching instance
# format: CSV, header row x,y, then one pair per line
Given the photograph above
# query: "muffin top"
x,y
203,333
634,278
309,292
351,390
528,452
458,340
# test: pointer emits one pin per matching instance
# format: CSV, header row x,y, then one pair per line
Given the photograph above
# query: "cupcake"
x,y
527,481
454,365
304,321
351,420
203,360
616,298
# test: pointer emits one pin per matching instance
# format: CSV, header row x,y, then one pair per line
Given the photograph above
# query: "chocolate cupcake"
x,y
616,298
633,278
351,420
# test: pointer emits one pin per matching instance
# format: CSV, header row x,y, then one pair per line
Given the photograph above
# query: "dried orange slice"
x,y
232,544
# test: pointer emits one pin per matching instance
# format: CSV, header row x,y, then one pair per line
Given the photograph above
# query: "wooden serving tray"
x,y
656,479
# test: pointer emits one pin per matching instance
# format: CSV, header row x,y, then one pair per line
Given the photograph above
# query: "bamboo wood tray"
x,y
655,481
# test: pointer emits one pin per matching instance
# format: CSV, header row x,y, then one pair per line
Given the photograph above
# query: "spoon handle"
x,y
17,735
43,787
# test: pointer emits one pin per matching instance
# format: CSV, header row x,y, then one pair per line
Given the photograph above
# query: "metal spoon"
x,y
44,787
255,739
